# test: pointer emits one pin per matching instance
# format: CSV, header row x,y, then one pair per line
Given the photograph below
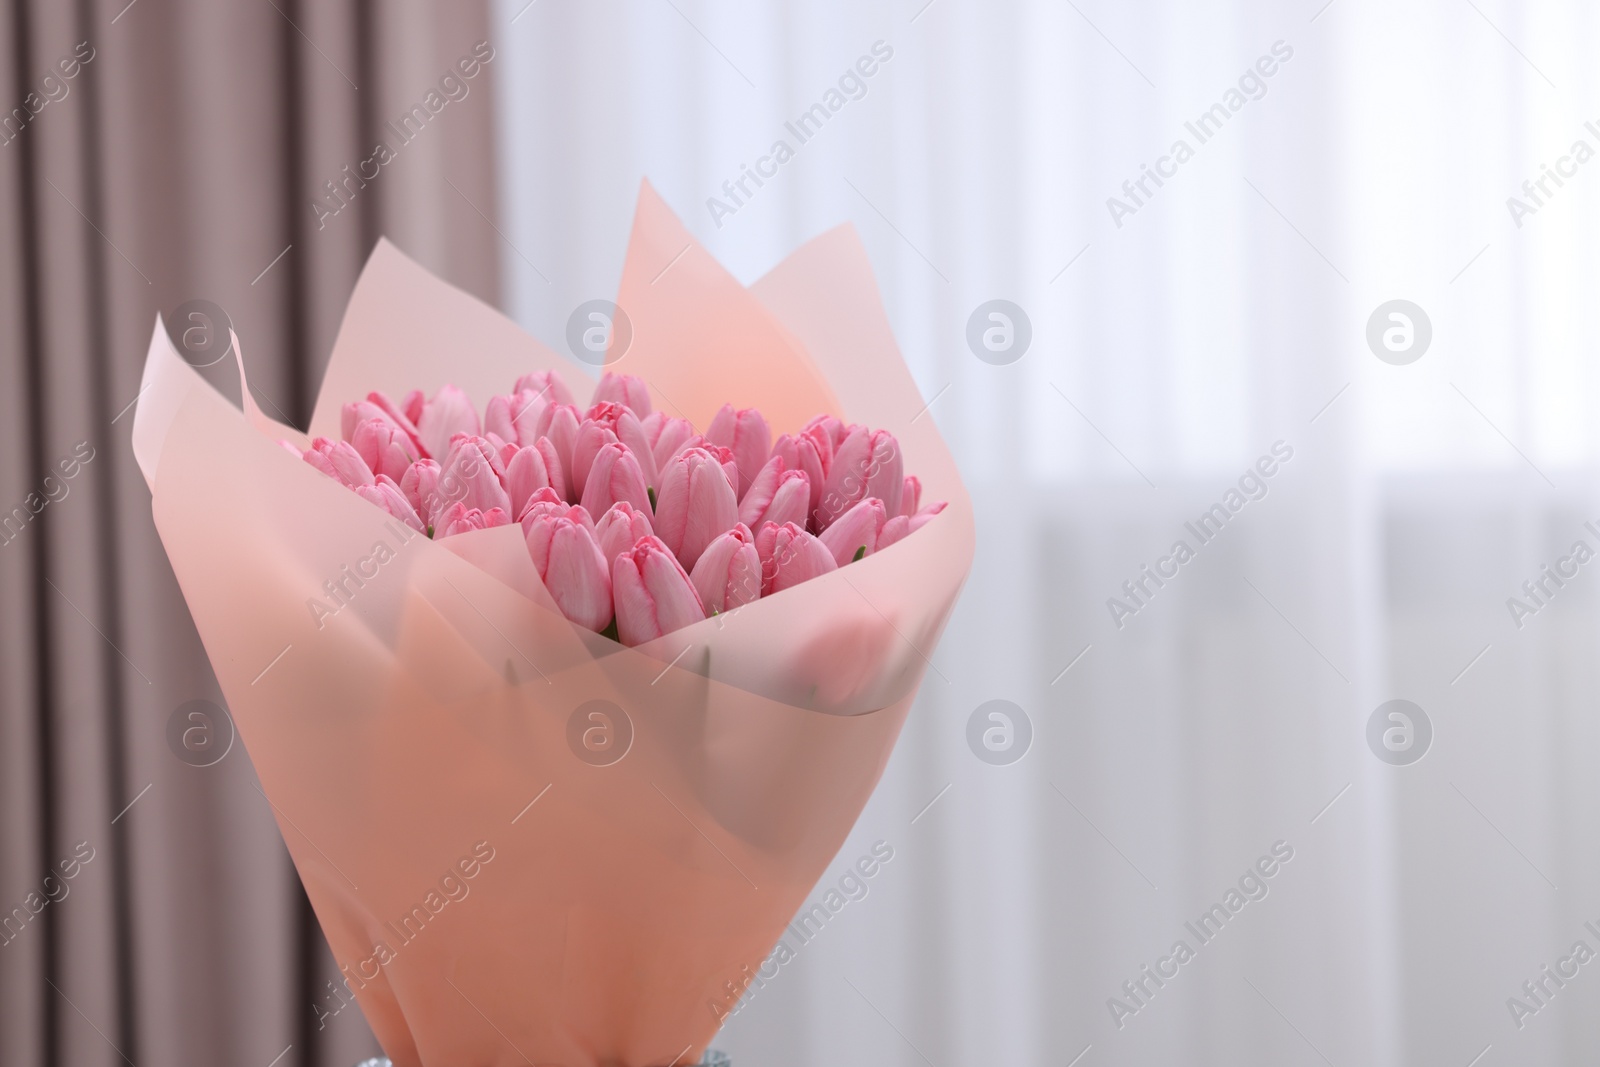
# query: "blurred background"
x,y
1159,337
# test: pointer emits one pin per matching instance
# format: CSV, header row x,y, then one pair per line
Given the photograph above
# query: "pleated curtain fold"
x,y
152,155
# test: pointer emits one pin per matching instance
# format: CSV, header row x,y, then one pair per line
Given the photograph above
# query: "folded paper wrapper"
x,y
617,917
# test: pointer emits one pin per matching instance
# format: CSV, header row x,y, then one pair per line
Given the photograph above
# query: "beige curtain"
x,y
152,154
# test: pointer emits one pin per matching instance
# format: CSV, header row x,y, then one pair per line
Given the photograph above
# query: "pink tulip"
x,y
530,469
459,519
420,485
789,556
628,390
694,504
777,495
624,426
901,526
722,455
377,406
471,474
410,405
910,495
387,495
514,419
620,528
829,431
340,461
544,504
653,593
744,432
791,503
559,422
804,453
615,476
546,384
920,519
868,463
569,562
728,573
447,414
667,436
383,446
894,529
592,437
855,533
754,500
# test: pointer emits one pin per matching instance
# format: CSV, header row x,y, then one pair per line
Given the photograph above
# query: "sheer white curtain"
x,y
1226,313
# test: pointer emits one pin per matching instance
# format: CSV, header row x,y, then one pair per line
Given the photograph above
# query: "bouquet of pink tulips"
x,y
637,524
526,842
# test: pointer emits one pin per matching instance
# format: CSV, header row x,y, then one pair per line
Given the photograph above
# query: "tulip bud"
x,y
902,525
626,427
628,390
620,528
546,384
722,455
471,474
855,533
410,405
805,454
340,461
667,436
762,486
910,496
559,423
868,463
653,593
592,436
420,484
514,419
728,573
828,431
387,495
789,556
615,476
530,469
569,563
894,529
447,414
377,406
383,446
695,504
920,519
459,519
545,504
777,495
745,433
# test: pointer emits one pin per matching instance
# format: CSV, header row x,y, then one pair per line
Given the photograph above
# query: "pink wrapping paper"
x,y
424,731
